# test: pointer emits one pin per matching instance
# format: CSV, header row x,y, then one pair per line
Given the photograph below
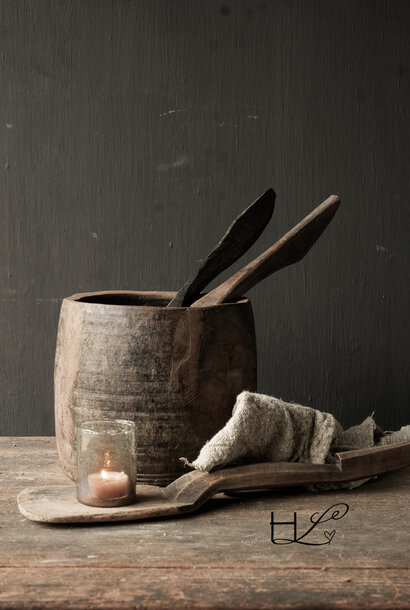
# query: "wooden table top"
x,y
221,557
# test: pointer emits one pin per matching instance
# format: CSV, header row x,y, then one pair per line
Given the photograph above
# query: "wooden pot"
x,y
175,372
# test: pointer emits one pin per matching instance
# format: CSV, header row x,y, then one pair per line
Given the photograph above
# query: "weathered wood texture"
x,y
215,558
175,372
132,132
58,504
289,249
240,236
234,588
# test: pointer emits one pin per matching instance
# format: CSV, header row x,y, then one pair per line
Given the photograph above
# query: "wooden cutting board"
x,y
187,493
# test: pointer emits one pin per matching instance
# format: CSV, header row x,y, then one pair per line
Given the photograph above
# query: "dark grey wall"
x,y
132,132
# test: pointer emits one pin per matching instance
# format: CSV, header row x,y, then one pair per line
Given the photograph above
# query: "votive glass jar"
x,y
106,462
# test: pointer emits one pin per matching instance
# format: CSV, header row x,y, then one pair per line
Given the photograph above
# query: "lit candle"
x,y
108,485
105,474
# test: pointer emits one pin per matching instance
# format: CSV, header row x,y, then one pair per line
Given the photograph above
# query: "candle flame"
x,y
107,460
104,474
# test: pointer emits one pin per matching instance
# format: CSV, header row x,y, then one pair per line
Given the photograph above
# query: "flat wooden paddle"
x,y
290,249
54,504
240,236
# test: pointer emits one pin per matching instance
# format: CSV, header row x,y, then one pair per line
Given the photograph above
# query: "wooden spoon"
x,y
240,236
189,492
290,249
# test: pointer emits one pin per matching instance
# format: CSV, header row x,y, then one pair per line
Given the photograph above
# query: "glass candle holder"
x,y
106,462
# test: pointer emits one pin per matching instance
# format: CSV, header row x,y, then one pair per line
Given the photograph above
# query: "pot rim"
x,y
81,298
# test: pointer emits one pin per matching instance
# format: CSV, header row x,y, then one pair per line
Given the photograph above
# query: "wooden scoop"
x,y
290,249
59,505
240,236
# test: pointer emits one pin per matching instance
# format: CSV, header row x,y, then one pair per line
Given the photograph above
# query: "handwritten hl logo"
x,y
335,512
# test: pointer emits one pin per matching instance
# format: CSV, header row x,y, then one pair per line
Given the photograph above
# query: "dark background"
x,y
132,132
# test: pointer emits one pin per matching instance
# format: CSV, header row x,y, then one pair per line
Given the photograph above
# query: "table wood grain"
x,y
221,557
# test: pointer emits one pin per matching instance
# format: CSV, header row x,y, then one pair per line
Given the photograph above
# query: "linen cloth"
x,y
264,428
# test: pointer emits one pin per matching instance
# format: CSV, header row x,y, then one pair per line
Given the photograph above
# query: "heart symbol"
x,y
330,535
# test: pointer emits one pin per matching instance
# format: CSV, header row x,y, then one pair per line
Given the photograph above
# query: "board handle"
x,y
265,475
352,465
196,486
360,463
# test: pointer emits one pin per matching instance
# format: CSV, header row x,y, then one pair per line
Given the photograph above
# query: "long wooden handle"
x,y
290,249
272,474
353,465
196,487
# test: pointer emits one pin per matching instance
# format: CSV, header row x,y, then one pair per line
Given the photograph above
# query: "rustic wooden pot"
x,y
175,372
